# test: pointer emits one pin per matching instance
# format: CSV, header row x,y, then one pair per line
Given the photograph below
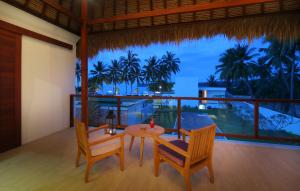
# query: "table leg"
x,y
142,150
131,143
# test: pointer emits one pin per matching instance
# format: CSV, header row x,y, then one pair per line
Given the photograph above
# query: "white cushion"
x,y
105,147
97,132
95,137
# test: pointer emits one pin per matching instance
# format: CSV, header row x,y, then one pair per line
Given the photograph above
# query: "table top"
x,y
144,130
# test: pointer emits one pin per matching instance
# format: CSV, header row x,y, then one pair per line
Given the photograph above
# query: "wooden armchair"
x,y
189,157
98,148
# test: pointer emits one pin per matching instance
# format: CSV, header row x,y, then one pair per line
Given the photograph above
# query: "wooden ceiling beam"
x,y
71,8
62,10
37,14
178,10
57,13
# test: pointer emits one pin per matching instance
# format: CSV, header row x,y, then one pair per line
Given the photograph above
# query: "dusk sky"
x,y
198,57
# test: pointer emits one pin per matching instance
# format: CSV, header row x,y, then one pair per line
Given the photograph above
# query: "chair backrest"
x,y
201,143
82,137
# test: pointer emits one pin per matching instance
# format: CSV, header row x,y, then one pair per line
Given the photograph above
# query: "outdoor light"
x,y
109,119
201,107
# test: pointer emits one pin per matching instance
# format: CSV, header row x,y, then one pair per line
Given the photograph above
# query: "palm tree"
x,y
130,64
263,74
150,69
93,85
171,63
212,82
262,69
78,75
114,74
136,76
244,66
292,65
125,78
277,57
99,73
237,64
225,68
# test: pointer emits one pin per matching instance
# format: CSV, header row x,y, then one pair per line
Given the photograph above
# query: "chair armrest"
x,y
184,134
98,128
120,135
172,147
183,131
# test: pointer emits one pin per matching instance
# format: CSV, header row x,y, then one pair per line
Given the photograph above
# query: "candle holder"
x,y
109,119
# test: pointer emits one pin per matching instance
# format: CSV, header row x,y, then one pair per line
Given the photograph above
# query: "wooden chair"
x,y
98,147
189,157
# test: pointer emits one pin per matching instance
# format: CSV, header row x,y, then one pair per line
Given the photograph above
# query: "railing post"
x,y
256,119
178,117
71,110
119,112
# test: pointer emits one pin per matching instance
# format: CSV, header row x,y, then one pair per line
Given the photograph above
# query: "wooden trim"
x,y
84,63
18,86
19,30
162,26
178,10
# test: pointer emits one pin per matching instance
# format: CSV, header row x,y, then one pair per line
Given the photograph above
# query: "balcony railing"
x,y
237,118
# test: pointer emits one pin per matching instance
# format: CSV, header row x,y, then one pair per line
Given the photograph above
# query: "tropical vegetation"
x,y
156,73
270,72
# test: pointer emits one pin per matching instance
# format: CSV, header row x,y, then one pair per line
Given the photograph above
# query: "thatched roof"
x,y
119,23
277,18
283,26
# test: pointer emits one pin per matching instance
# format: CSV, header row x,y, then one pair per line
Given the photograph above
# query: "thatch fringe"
x,y
284,26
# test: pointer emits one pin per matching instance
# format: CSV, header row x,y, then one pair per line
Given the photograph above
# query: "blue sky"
x,y
198,57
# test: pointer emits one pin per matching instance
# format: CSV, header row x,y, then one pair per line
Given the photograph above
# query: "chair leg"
x,y
78,157
121,155
156,166
156,159
87,170
211,172
187,181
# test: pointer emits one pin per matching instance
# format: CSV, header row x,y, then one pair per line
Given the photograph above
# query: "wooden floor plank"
x,y
48,164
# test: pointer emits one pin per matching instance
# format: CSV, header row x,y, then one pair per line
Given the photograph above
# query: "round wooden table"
x,y
143,130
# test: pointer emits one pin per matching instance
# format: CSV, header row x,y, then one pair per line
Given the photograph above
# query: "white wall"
x,y
47,75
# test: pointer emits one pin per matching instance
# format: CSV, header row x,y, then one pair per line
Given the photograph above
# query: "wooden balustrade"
x,y
256,102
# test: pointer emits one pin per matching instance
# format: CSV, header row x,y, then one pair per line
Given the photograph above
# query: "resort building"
x,y
211,92
55,135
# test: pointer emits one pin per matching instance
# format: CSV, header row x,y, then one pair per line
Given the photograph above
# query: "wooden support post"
x,y
256,119
119,112
178,117
71,110
84,64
